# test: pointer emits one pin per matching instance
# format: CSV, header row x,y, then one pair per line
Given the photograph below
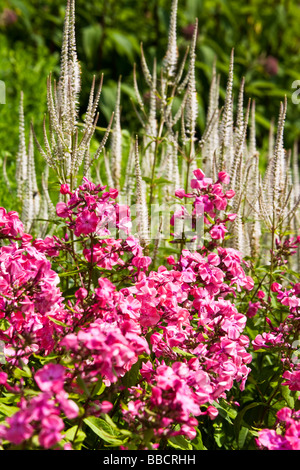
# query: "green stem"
x,y
157,141
83,414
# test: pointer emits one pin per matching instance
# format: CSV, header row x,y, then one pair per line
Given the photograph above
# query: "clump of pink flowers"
x,y
10,225
182,318
42,415
209,202
90,209
30,300
286,435
95,331
284,338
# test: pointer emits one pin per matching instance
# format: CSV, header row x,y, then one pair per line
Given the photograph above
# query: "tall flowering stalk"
x,y
64,148
171,146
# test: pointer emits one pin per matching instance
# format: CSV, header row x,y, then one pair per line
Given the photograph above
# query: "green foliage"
x,y
265,37
22,69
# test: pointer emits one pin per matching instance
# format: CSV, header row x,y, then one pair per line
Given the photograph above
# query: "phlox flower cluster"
x,y
104,226
178,324
285,249
285,436
30,299
10,225
196,335
41,416
168,401
113,341
285,337
90,209
209,201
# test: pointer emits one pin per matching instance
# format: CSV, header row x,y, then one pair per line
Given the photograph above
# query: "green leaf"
x,y
4,324
103,430
227,413
70,273
7,410
180,442
69,293
146,179
82,385
240,416
99,389
288,395
91,39
197,443
57,322
162,181
182,352
111,423
242,436
80,437
130,378
26,372
124,44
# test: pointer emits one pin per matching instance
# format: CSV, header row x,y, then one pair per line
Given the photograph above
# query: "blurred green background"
x,y
265,35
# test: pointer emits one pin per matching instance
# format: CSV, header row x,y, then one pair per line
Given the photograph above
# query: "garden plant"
x,y
149,283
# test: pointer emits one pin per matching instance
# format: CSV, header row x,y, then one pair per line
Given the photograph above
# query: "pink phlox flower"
x,y
199,174
201,184
10,224
86,223
220,202
223,177
69,407
292,379
81,293
41,406
3,378
181,193
166,378
253,308
62,210
130,306
19,428
275,287
141,262
218,231
48,245
134,246
65,189
51,431
212,412
267,340
234,325
50,378
286,436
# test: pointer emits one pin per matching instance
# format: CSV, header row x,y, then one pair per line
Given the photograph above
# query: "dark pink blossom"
x,y
51,431
286,436
86,223
62,210
223,177
50,378
252,309
65,189
19,428
218,232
